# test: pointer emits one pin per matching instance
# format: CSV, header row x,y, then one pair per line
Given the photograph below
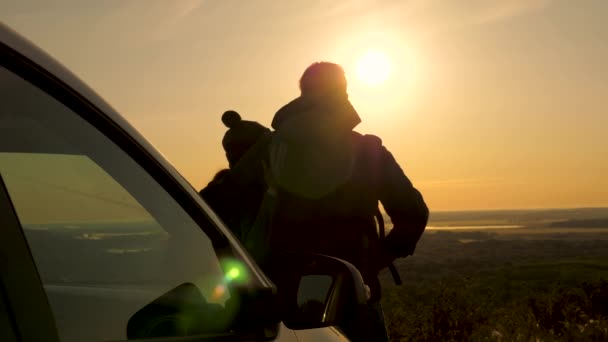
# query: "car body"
x,y
97,226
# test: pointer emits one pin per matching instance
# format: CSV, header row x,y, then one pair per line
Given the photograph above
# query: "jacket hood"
x,y
311,153
335,109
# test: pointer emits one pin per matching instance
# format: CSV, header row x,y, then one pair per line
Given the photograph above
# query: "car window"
x,y
107,238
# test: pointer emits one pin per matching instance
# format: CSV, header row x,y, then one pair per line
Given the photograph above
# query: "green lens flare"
x,y
234,271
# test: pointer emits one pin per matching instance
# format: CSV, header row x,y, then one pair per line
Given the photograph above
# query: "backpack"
x,y
279,203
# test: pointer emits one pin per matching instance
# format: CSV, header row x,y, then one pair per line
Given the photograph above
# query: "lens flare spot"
x,y
218,292
233,273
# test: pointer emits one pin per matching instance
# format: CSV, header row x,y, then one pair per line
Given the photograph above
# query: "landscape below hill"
x,y
538,275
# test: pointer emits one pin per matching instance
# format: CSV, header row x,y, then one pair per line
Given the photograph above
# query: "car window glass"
x,y
314,288
107,239
313,292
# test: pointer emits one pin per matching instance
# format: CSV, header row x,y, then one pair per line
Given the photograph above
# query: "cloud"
x,y
482,10
185,7
26,7
467,182
335,8
148,21
429,18
495,11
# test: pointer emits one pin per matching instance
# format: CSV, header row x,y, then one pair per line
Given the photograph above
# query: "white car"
x,y
101,239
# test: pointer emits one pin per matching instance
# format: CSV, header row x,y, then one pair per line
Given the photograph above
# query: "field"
x,y
507,275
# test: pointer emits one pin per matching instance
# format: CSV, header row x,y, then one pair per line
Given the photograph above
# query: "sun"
x,y
374,68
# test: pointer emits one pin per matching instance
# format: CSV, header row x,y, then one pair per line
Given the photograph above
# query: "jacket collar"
x,y
336,110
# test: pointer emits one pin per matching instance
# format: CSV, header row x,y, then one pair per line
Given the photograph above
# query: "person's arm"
x,y
405,206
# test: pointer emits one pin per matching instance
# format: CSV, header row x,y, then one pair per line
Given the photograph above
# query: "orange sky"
x,y
490,104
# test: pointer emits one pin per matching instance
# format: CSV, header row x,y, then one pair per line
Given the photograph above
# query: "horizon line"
x,y
520,209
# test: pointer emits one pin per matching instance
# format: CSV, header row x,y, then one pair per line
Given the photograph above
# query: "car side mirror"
x,y
317,290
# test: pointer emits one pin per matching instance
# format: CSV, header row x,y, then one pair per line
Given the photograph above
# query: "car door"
x,y
101,238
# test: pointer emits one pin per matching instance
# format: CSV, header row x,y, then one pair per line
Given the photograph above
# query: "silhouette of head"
x,y
241,135
323,78
323,94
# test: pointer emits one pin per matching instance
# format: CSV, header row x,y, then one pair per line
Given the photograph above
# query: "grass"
x,y
511,290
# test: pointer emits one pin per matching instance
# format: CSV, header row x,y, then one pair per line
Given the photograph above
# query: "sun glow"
x,y
386,75
374,68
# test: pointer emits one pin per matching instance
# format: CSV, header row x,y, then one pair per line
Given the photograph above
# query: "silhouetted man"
x,y
324,182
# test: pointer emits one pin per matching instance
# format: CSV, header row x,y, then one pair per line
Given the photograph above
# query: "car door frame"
x,y
16,258
67,89
140,151
23,67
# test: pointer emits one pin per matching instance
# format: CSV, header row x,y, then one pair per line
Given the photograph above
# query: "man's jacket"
x,y
326,181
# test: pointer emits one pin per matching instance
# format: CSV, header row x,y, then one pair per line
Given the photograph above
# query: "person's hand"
x,y
385,259
368,292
